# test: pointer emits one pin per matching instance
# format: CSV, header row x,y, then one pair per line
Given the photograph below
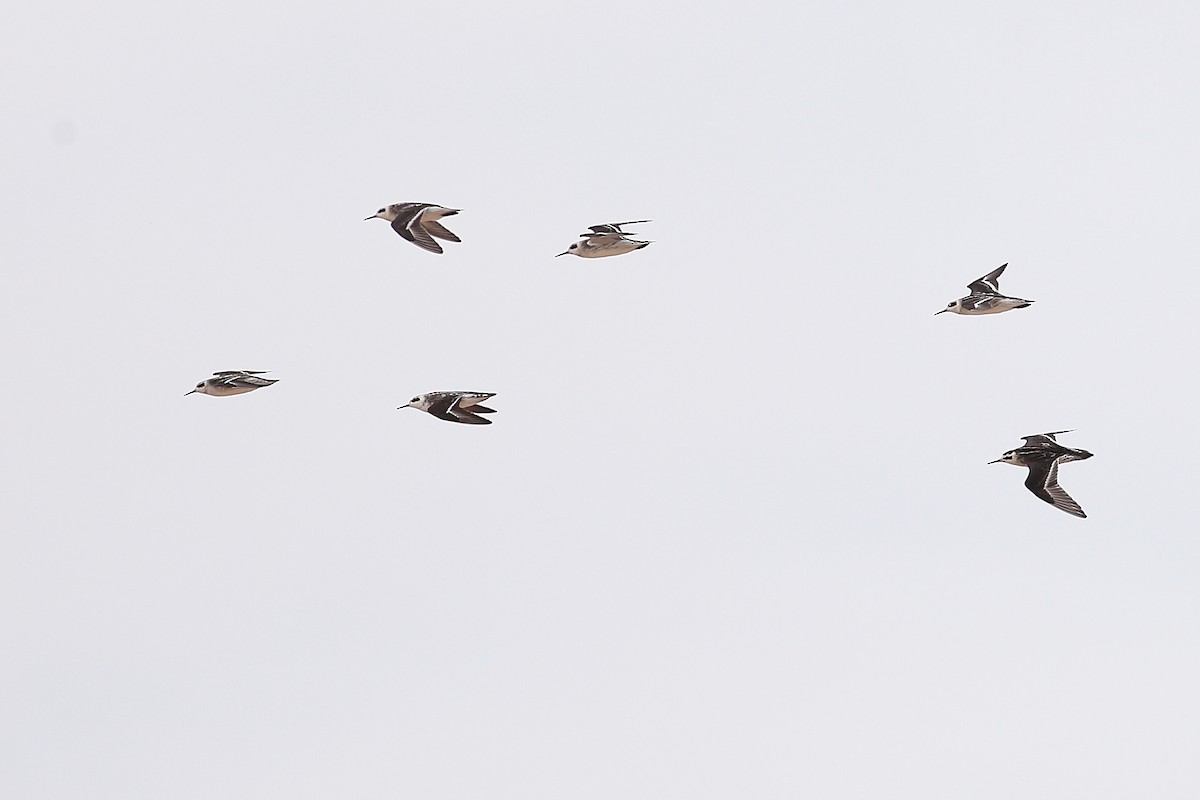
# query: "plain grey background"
x,y
733,532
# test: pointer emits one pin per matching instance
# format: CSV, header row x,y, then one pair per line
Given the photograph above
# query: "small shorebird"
x,y
454,406
604,240
418,223
238,381
985,297
1041,454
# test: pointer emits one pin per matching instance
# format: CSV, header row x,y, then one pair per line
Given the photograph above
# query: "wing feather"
x,y
990,283
1043,482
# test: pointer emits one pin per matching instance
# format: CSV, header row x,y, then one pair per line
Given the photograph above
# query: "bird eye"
x,y
415,400
951,304
380,211
200,385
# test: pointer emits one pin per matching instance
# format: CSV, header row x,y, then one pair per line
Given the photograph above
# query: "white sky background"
x,y
733,532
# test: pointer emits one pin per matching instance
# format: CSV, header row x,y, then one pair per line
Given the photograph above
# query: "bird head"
x,y
420,402
953,305
388,213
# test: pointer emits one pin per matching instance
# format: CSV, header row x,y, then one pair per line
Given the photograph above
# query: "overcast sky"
x,y
733,533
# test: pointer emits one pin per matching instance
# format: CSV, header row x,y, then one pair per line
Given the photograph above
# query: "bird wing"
x,y
245,381
469,399
988,284
422,239
435,228
408,224
1042,439
478,409
440,407
462,415
447,407
613,227
601,239
1043,482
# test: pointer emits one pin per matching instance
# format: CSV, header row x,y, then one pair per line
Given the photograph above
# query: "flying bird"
x,y
238,381
1041,454
607,239
454,406
985,297
418,223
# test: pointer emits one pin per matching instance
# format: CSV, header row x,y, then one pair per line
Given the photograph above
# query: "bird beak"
x,y
193,391
563,253
943,311
997,461
370,217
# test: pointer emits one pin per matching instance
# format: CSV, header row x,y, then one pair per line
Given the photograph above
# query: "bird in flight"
x,y
237,381
607,239
454,406
418,223
1041,454
985,297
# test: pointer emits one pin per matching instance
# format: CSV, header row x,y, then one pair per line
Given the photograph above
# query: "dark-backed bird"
x,y
454,406
418,223
1041,454
985,297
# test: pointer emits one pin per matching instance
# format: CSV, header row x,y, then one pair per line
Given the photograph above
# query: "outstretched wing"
x,y
1042,439
1043,482
613,227
990,283
407,224
435,228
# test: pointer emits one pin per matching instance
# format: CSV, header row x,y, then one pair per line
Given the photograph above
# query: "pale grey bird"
x,y
454,406
418,223
604,240
238,381
985,297
1041,454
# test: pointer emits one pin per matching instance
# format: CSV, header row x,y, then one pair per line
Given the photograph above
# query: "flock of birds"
x,y
1041,454
420,224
